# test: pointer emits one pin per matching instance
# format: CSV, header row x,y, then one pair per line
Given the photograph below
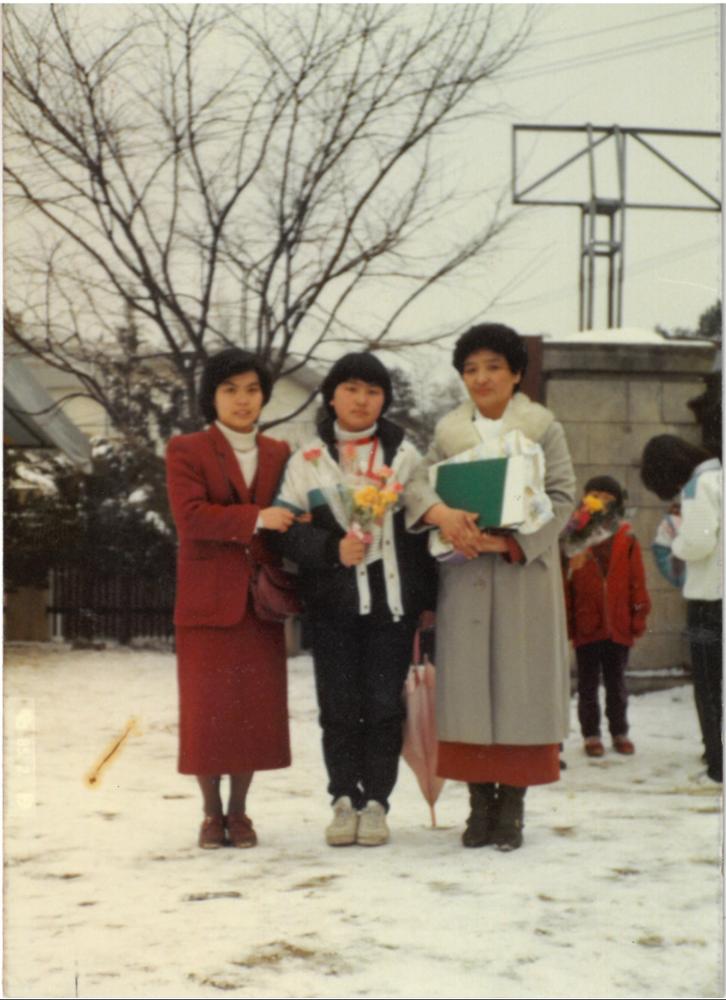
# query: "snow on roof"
x,y
617,336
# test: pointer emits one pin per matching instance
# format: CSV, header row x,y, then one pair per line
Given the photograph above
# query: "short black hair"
x,y
360,365
608,484
667,464
224,365
492,337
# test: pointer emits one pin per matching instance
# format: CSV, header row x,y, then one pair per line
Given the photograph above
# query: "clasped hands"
x,y
280,519
459,528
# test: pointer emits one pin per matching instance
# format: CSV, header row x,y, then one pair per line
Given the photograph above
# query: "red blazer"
x,y
216,530
609,607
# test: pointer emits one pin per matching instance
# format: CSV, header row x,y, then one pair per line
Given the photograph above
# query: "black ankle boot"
x,y
479,825
507,832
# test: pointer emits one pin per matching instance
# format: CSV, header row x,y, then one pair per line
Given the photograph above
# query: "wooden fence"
x,y
86,605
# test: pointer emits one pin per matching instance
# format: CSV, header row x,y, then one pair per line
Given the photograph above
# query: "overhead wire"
x,y
617,52
621,26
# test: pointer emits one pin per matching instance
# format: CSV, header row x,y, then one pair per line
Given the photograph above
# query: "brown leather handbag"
x,y
274,592
273,589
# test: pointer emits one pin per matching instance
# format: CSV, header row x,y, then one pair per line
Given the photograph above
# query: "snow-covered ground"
x,y
616,893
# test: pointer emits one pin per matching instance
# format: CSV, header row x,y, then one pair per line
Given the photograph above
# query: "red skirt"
x,y
232,698
520,766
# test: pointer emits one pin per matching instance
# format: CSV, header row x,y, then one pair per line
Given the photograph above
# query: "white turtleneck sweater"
x,y
358,464
244,447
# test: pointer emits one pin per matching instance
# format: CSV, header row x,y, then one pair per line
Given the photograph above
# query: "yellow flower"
x,y
366,496
593,504
388,497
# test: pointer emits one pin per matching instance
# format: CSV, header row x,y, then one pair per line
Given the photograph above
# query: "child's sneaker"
x,y
344,828
372,828
594,747
623,745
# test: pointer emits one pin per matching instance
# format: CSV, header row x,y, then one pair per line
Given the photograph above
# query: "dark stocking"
x,y
238,787
209,784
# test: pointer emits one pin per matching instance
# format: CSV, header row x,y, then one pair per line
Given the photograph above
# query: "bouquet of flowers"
x,y
367,504
367,493
361,501
592,523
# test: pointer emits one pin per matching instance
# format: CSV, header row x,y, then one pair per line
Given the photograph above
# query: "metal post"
x,y
582,269
620,148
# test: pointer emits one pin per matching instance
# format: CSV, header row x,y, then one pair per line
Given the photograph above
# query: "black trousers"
x,y
705,626
360,668
612,658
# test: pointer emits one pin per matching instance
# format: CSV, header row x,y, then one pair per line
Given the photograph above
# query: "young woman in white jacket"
x,y
671,466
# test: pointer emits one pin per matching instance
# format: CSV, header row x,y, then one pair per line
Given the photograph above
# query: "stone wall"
x,y
611,399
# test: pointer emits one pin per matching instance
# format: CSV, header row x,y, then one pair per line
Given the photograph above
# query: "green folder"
x,y
490,486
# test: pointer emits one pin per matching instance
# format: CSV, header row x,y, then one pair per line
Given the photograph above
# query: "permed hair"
x,y
224,365
492,337
607,484
667,464
360,365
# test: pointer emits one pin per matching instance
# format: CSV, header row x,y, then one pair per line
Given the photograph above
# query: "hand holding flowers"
x,y
360,502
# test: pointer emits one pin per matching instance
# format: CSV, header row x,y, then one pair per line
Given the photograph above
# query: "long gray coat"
x,y
501,635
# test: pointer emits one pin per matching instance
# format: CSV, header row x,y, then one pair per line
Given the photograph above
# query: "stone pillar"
x,y
611,398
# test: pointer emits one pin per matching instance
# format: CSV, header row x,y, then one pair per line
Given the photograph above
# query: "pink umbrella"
x,y
420,744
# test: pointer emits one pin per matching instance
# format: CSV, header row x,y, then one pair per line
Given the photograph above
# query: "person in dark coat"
x,y
363,591
676,469
607,606
231,665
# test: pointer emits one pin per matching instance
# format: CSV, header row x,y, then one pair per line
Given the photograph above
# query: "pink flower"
x,y
312,454
385,472
396,487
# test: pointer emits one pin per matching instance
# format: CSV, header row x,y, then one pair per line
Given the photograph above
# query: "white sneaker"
x,y
372,828
342,831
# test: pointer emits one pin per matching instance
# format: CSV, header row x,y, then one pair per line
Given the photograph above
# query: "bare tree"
x,y
224,174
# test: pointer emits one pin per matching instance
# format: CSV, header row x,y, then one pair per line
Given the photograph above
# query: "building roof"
x,y
31,419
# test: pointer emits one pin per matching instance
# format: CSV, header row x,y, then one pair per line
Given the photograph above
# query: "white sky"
x,y
645,65
642,65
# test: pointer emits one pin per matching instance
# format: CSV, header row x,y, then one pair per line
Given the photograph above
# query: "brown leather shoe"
x,y
240,830
623,745
211,833
594,747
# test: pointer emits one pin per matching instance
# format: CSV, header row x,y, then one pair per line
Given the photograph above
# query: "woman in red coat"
x,y
231,666
607,606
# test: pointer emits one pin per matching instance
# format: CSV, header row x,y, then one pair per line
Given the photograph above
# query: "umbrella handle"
x,y
433,816
417,647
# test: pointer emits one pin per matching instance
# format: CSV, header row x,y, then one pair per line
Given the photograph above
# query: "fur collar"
x,y
456,432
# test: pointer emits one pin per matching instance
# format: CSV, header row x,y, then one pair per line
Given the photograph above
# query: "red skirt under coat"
x,y
520,766
232,698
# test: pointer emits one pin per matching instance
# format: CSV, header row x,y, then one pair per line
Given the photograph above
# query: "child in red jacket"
x,y
607,606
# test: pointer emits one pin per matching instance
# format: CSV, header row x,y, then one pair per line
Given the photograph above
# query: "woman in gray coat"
x,y
501,637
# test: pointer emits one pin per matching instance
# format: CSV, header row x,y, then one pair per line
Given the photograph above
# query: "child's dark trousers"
x,y
360,668
612,658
